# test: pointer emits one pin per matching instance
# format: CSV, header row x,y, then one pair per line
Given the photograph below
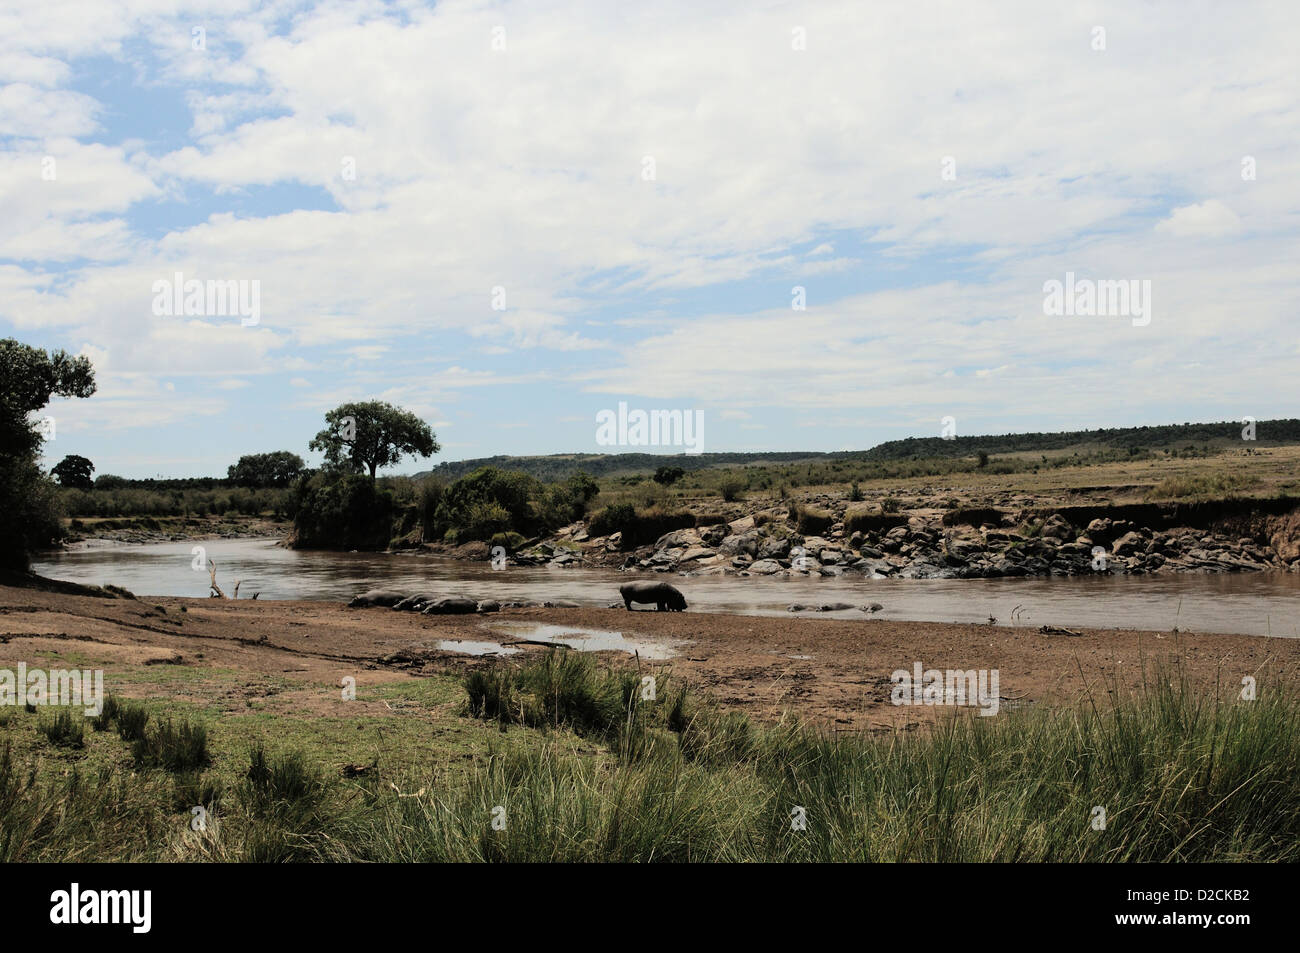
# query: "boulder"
x,y
678,539
764,567
1129,544
715,534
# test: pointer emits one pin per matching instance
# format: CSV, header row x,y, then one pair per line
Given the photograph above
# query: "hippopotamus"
x,y
834,606
452,606
416,602
561,604
665,597
489,605
873,607
376,597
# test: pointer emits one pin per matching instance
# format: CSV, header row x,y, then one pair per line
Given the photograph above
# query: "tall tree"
x,y
371,434
279,468
75,471
29,377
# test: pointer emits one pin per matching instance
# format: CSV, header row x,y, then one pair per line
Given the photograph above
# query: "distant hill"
x,y
557,466
1163,437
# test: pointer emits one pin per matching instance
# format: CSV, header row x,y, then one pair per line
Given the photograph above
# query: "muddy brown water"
x,y
1248,603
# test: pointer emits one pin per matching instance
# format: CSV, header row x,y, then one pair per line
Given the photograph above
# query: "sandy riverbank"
x,y
830,671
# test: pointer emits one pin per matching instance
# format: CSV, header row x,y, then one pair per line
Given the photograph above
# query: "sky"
x,y
817,226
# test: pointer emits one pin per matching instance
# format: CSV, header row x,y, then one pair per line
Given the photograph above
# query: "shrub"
x,y
616,518
811,521
731,488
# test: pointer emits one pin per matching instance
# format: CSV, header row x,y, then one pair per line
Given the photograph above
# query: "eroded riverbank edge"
x,y
833,672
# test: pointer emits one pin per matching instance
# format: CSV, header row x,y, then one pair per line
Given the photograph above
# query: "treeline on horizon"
x,y
507,500
558,466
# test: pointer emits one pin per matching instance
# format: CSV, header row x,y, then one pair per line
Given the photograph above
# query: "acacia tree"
x,y
29,377
75,471
279,468
372,434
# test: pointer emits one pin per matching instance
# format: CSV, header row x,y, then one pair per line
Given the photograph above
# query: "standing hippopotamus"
x,y
666,597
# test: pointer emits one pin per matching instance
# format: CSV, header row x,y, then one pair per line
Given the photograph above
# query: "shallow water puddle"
x,y
470,647
584,640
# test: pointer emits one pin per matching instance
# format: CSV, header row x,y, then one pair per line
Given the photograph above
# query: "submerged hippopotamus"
x,y
376,597
666,597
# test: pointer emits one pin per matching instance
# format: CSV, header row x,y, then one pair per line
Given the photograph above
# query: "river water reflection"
x,y
1252,603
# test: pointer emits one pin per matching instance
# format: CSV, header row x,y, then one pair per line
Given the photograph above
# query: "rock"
x,y
743,544
834,606
694,553
1128,545
1057,527
714,535
1005,567
765,567
561,604
814,545
871,607
774,549
678,539
741,526
797,607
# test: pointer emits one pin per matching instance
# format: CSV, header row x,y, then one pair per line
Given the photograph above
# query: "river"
x,y
1249,603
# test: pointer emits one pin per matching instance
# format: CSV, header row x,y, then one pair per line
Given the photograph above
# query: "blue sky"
x,y
129,155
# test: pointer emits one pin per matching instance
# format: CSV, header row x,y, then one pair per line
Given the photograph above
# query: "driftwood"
x,y
216,592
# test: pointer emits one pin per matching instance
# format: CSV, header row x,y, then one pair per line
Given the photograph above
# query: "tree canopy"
x,y
279,468
372,434
75,471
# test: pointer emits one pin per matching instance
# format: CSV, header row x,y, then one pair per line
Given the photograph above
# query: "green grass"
x,y
560,757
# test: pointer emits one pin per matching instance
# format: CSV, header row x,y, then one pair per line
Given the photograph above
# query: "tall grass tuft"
x,y
175,747
65,729
132,717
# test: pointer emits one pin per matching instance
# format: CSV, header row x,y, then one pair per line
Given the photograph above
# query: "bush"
x,y
731,488
616,518
811,521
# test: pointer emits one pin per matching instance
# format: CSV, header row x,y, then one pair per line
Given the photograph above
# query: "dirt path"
x,y
832,671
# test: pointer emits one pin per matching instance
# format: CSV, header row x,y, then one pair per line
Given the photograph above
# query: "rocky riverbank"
x,y
1234,536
